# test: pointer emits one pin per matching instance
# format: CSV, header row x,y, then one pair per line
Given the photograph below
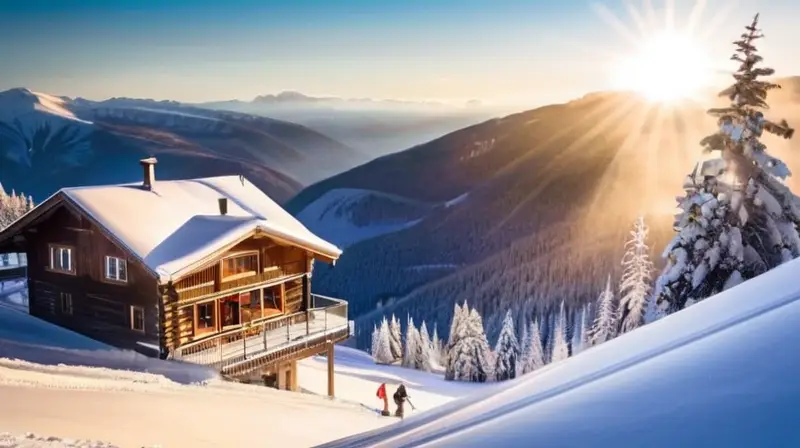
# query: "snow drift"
x,y
721,373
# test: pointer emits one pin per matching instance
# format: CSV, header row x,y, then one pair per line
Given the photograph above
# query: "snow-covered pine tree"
x,y
534,357
740,219
586,326
605,323
637,271
424,347
457,332
396,338
471,355
436,348
506,351
376,334
412,340
383,349
560,347
524,342
578,327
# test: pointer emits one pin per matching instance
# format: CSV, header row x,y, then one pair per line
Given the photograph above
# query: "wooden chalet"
x,y
208,271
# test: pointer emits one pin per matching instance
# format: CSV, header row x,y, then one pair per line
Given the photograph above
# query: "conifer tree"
x,y
637,270
471,355
534,356
395,338
436,348
383,350
412,341
376,334
605,323
457,332
524,348
424,350
739,218
560,347
579,326
507,351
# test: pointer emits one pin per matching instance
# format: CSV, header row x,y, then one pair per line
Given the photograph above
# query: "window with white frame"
x,y
116,269
61,259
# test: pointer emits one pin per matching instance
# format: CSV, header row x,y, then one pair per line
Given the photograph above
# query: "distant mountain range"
x,y
48,142
519,212
373,126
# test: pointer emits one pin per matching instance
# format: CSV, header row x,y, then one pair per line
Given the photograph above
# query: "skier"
x,y
400,397
381,394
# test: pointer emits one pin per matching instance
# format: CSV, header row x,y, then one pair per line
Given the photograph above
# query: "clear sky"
x,y
494,50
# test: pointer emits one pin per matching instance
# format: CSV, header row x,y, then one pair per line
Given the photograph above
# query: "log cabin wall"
x,y
81,297
265,265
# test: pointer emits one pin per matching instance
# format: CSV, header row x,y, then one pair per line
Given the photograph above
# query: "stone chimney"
x,y
223,206
148,172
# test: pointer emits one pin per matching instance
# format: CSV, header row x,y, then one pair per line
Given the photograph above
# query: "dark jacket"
x,y
400,395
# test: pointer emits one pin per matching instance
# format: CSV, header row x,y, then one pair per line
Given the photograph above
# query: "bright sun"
x,y
665,67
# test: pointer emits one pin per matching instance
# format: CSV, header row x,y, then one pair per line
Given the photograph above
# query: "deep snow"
x,y
63,385
720,373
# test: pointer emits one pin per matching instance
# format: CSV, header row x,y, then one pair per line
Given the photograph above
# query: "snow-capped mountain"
x,y
532,199
47,142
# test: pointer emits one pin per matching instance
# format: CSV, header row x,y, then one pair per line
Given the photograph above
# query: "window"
x,y
272,299
116,269
206,317
4,260
137,318
61,259
23,259
66,303
242,264
250,305
230,310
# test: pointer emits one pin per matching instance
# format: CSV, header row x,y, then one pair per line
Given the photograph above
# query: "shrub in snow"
x,y
605,323
740,219
506,351
637,271
560,348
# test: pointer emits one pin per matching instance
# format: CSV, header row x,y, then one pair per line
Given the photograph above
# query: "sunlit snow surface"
x,y
61,385
720,373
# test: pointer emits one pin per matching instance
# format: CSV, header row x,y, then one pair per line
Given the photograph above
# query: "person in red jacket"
x,y
382,395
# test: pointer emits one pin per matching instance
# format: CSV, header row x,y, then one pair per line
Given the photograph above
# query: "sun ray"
x,y
650,12
610,18
669,14
695,15
718,19
637,18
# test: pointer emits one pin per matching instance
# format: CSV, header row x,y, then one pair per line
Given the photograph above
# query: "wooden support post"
x,y
307,302
330,369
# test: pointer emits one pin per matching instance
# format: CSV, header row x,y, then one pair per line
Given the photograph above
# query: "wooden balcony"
x,y
207,283
290,336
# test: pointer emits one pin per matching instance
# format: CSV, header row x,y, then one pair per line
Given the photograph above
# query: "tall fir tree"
x,y
524,342
424,358
506,351
560,347
457,332
637,271
578,327
411,343
534,356
396,338
739,218
383,349
605,322
471,355
586,326
376,334
436,348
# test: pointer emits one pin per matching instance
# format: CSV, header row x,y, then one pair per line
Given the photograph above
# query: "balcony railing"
x,y
226,349
198,291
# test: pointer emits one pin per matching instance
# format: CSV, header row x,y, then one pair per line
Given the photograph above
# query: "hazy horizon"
x,y
507,52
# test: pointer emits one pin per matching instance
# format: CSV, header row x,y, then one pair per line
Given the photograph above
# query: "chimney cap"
x,y
149,161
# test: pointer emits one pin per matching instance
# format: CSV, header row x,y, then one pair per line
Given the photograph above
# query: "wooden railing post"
x,y
330,369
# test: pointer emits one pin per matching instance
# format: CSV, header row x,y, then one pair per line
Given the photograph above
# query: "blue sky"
x,y
494,50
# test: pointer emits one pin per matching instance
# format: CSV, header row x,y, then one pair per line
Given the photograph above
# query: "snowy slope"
x,y
721,373
89,387
346,216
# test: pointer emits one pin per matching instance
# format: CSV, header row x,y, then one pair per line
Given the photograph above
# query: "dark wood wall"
x,y
101,309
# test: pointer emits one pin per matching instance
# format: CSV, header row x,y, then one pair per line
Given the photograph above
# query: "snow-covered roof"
x,y
178,224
